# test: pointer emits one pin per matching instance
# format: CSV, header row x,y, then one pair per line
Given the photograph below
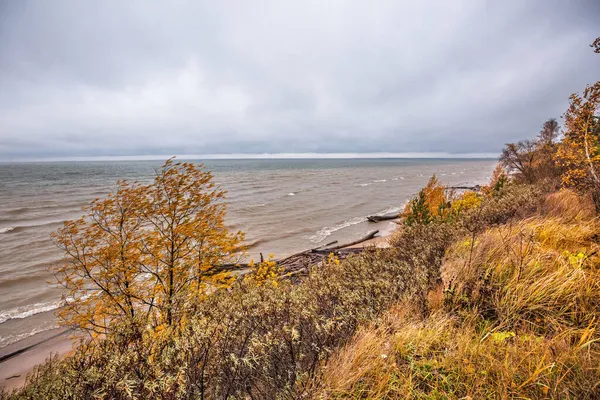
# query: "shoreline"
x,y
18,359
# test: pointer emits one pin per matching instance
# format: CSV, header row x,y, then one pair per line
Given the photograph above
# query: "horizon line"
x,y
257,156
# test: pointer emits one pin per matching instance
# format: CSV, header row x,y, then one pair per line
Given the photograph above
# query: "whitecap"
x,y
328,230
28,310
257,205
291,194
380,180
6,230
391,210
6,340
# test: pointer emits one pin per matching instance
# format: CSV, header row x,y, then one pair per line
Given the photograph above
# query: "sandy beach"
x,y
18,359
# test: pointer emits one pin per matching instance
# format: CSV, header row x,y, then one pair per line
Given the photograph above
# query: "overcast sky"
x,y
97,78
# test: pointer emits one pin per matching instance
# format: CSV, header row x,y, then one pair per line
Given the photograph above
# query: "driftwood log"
x,y
368,236
298,263
379,218
475,188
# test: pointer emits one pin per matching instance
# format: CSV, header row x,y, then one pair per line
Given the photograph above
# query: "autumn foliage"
x,y
146,254
429,204
572,162
579,152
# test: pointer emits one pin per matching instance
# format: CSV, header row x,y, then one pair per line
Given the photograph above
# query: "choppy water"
x,y
283,206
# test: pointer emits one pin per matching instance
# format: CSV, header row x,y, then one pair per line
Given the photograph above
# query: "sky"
x,y
137,78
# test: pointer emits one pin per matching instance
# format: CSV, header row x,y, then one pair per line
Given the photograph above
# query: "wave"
x,y
38,208
362,184
255,243
328,230
20,228
38,275
291,194
392,210
270,236
380,180
250,208
6,340
33,244
29,310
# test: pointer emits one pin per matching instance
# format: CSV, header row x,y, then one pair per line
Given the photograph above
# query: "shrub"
x,y
259,341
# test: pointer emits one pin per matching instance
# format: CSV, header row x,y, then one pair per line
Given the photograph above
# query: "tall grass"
x,y
519,319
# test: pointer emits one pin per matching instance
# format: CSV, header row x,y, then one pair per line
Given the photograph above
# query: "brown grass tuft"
x,y
567,204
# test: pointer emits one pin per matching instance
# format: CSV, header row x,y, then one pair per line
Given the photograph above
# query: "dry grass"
x,y
520,319
541,271
567,204
439,358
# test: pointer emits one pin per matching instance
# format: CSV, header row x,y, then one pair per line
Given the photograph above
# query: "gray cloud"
x,y
83,78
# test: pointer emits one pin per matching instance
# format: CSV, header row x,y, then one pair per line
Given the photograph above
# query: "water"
x,y
284,206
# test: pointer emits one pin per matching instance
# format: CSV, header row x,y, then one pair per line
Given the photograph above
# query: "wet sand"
x,y
18,359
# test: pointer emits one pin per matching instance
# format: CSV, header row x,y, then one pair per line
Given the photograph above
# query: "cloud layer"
x,y
83,78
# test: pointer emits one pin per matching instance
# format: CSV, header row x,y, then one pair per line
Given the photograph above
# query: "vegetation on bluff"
x,y
494,294
147,254
515,315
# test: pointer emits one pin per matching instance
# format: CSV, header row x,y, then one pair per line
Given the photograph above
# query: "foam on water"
x,y
28,310
6,340
6,230
328,230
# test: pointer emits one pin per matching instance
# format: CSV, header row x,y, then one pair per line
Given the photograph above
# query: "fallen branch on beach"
x,y
369,236
475,188
296,263
378,218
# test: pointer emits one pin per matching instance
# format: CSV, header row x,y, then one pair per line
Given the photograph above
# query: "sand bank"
x,y
18,359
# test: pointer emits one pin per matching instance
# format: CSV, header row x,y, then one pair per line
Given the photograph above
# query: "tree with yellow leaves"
x,y
429,204
146,254
579,152
497,182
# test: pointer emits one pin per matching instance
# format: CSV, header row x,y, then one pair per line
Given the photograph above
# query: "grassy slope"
x,y
517,316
